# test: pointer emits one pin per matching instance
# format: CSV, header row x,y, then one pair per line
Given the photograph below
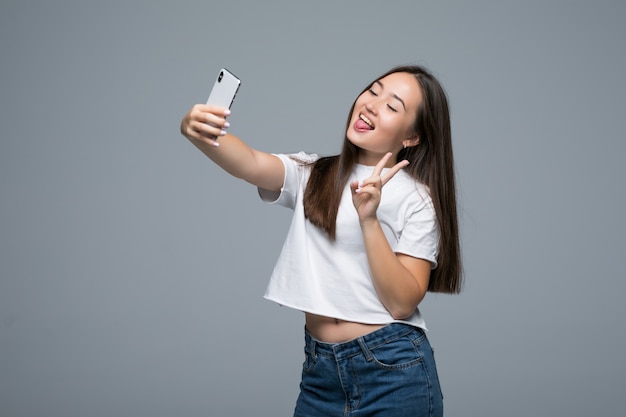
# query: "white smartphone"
x,y
224,89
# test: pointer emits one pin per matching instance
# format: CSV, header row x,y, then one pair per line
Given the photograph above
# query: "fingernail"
x,y
222,133
216,144
226,112
226,124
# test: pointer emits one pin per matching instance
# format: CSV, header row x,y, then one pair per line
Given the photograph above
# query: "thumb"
x,y
354,186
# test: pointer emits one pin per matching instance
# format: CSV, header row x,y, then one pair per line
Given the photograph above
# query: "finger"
x,y
197,131
207,131
381,164
209,108
393,171
213,119
220,110
213,124
372,181
359,187
208,114
212,141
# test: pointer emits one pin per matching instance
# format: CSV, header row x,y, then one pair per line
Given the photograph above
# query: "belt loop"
x,y
366,352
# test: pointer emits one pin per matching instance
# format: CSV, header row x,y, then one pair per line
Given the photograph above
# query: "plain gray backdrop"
x,y
132,269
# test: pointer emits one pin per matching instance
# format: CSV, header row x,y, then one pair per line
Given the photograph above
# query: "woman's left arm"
x,y
401,281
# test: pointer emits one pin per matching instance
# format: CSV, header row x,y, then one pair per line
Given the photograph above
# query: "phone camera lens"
x,y
219,78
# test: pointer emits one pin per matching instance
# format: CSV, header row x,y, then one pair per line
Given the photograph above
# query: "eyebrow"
x,y
393,94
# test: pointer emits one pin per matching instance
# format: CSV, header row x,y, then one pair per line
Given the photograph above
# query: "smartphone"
x,y
224,89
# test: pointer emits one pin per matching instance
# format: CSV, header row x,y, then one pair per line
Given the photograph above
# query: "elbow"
x,y
403,309
402,312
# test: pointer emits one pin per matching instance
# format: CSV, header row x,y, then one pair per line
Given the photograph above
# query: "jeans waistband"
x,y
356,346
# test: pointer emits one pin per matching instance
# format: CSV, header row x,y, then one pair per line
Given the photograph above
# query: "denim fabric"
x,y
390,372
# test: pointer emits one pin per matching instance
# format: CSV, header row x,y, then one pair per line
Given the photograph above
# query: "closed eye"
x,y
372,92
393,109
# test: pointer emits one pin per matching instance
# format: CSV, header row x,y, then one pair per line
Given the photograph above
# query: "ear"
x,y
412,141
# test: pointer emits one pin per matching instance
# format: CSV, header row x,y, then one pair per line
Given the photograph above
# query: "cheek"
x,y
400,127
409,127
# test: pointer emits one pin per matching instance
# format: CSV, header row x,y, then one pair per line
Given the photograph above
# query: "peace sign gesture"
x,y
366,194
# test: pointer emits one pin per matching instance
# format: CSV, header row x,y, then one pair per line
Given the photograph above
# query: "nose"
x,y
372,106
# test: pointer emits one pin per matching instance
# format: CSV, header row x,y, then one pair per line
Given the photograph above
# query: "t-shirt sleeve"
x,y
420,235
294,176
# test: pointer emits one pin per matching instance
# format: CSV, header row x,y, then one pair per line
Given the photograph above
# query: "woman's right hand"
x,y
205,123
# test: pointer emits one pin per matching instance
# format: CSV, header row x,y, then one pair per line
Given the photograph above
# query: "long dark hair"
x,y
431,163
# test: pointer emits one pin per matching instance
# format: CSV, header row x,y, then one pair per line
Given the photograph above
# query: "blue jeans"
x,y
390,372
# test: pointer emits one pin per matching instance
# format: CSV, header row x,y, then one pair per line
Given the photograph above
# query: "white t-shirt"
x,y
316,275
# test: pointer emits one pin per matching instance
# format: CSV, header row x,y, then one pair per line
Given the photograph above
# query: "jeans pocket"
x,y
309,362
400,353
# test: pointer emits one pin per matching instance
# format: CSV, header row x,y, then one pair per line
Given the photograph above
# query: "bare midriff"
x,y
331,330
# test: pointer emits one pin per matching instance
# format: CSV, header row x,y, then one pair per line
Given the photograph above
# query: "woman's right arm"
x,y
204,124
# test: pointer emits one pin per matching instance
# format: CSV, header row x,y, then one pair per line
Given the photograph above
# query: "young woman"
x,y
374,228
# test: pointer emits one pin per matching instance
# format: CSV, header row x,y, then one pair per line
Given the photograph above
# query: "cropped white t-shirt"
x,y
319,276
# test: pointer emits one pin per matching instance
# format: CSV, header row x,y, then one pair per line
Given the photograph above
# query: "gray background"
x,y
132,269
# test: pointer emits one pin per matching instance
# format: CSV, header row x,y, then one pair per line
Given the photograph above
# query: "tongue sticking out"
x,y
361,125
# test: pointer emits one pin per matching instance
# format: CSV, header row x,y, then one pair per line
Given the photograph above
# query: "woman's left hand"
x,y
366,195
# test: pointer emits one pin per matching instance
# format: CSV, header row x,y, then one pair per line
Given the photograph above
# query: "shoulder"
x,y
297,163
297,169
302,158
